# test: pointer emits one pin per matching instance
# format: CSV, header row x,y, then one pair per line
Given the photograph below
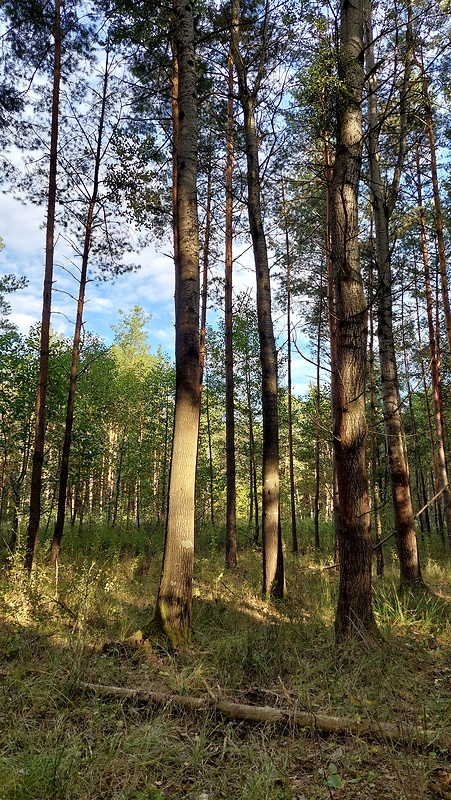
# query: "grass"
x,y
58,742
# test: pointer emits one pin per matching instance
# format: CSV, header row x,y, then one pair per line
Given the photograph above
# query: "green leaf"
x,y
334,781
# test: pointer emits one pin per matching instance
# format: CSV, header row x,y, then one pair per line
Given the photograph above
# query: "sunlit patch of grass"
x,y
59,742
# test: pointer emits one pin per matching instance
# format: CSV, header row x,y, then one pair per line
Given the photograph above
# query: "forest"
x,y
212,586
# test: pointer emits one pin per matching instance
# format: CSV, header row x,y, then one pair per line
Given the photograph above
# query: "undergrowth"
x,y
66,627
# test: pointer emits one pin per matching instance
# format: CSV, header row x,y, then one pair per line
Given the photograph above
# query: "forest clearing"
x,y
213,588
69,628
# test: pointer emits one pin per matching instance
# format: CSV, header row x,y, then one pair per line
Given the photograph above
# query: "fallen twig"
x,y
406,735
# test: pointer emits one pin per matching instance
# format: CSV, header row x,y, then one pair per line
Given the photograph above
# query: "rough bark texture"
x,y
406,539
38,452
174,601
354,612
273,572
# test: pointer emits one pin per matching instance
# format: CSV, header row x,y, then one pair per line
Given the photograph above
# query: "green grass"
x,y
59,629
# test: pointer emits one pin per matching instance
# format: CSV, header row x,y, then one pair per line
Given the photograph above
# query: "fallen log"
x,y
406,735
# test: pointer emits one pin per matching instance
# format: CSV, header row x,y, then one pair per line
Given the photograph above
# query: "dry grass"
x,y
56,742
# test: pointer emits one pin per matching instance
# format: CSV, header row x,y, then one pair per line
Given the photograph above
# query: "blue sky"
x,y
151,287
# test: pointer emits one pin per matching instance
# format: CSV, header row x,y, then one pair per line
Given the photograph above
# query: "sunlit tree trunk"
x,y
406,540
354,611
174,600
273,568
38,452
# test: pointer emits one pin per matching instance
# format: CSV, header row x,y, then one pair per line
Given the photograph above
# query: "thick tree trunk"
x,y
38,452
231,543
354,612
174,600
273,570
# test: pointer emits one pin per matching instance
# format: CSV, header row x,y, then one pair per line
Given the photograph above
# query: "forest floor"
x,y
58,740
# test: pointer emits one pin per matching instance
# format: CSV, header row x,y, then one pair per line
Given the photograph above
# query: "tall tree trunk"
x,y
253,493
437,205
273,569
174,600
406,539
318,421
329,175
294,535
428,412
64,470
374,447
38,452
436,381
354,612
231,543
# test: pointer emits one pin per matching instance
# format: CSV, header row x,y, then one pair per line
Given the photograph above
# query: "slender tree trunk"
x,y
294,535
318,421
332,317
428,413
436,381
354,612
174,600
273,569
38,452
254,504
210,462
437,205
64,470
231,543
203,324
406,539
374,448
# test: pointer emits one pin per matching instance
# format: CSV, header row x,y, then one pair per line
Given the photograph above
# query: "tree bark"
x,y
174,600
273,569
354,612
406,539
39,437
379,731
